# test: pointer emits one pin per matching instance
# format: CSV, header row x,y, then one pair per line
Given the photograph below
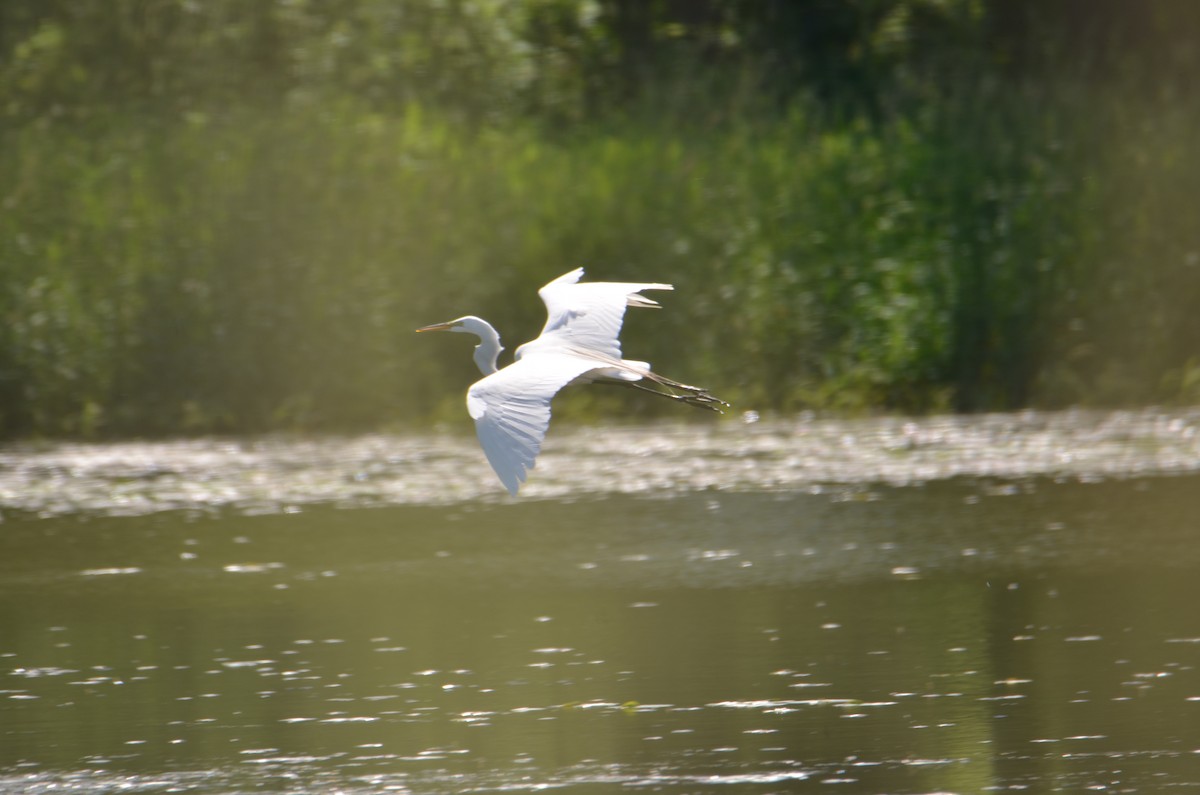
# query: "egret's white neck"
x,y
486,353
488,349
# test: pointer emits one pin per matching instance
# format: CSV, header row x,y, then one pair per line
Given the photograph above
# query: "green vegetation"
x,y
230,216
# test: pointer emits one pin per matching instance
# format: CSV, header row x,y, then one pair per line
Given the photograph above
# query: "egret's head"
x,y
466,324
489,341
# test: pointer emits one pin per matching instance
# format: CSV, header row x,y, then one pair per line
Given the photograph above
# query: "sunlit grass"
x,y
264,269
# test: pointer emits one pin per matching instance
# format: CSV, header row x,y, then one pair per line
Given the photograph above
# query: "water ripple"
x,y
282,474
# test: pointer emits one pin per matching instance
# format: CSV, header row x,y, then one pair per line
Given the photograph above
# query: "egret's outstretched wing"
x,y
511,409
588,316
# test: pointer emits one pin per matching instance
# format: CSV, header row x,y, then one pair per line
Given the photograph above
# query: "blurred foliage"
x,y
229,216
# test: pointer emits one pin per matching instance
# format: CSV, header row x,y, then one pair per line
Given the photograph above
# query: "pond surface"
x,y
965,605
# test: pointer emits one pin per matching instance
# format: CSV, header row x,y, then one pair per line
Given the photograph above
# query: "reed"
x,y
260,269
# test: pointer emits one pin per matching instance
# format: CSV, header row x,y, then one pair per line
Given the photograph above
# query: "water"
x,y
950,605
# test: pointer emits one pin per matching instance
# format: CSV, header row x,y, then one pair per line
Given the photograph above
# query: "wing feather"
x,y
588,316
511,409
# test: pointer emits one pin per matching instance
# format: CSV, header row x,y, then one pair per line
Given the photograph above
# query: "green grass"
x,y
264,269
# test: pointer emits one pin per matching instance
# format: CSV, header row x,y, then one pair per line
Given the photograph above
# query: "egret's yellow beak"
x,y
437,327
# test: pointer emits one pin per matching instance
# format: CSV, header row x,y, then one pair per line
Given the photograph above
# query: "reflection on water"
x,y
971,634
284,474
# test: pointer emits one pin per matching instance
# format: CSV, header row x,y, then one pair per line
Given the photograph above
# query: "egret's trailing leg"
x,y
692,395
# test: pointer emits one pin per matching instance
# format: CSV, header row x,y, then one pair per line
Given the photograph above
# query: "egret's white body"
x,y
579,344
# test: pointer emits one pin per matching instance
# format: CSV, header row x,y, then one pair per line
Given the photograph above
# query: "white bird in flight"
x,y
578,344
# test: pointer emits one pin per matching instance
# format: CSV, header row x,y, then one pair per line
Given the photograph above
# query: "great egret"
x,y
579,344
